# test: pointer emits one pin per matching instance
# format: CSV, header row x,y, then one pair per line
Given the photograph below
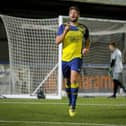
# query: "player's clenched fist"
x,y
85,51
67,28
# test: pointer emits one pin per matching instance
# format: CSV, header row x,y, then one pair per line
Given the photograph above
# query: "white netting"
x,y
33,54
95,64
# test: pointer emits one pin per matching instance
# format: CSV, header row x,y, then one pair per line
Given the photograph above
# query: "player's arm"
x,y
87,42
114,57
61,33
112,63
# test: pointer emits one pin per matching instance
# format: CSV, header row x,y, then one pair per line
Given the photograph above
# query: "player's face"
x,y
74,15
111,48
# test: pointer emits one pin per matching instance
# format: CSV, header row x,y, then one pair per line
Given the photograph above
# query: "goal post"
x,y
35,59
60,78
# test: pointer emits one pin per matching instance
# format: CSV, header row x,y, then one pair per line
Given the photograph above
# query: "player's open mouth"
x,y
74,18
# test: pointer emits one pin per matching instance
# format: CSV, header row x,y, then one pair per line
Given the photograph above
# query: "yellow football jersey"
x,y
73,41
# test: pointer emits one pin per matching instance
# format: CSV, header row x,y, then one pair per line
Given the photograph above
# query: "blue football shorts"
x,y
74,64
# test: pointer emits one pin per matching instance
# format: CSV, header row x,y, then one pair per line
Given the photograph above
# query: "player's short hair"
x,y
114,44
74,8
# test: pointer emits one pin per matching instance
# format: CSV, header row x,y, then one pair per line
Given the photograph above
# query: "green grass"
x,y
98,111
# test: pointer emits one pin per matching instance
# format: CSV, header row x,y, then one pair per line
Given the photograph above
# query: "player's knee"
x,y
74,81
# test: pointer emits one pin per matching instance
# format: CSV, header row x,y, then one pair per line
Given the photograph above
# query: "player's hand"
x,y
85,51
67,28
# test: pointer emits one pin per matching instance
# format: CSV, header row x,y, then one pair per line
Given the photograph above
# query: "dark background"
x,y
51,8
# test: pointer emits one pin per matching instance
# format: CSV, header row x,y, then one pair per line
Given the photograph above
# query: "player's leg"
x,y
66,75
75,79
120,83
117,84
122,86
117,79
68,89
115,88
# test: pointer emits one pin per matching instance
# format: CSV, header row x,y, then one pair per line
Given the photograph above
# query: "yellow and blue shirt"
x,y
73,41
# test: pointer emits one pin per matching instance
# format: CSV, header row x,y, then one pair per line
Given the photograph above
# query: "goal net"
x,y
35,59
33,56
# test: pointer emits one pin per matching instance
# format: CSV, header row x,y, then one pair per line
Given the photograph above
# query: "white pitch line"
x,y
59,123
55,103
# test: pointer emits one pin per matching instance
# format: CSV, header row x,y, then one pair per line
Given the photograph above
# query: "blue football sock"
x,y
68,91
74,93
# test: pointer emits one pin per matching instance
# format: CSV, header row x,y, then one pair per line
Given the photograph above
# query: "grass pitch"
x,y
98,111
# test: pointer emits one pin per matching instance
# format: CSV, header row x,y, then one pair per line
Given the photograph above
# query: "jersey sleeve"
x,y
112,63
60,30
86,35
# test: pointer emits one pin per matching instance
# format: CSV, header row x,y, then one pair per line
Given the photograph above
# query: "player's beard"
x,y
74,19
